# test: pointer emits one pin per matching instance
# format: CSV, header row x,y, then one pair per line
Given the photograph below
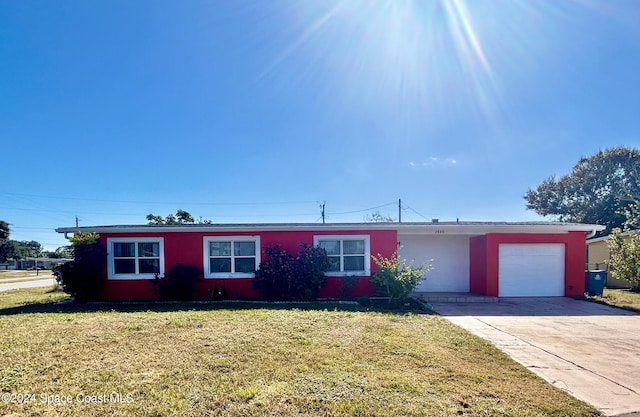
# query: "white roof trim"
x,y
449,228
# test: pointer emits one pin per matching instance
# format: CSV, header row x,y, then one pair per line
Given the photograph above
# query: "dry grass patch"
x,y
620,298
208,361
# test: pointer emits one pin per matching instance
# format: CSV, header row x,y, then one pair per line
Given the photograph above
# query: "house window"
x,y
135,258
231,256
347,254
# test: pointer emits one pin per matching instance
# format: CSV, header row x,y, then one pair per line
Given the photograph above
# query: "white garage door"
x,y
531,270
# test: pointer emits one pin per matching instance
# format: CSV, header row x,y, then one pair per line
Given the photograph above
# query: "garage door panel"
x,y
529,270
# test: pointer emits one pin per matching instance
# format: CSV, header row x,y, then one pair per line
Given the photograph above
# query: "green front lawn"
x,y
246,360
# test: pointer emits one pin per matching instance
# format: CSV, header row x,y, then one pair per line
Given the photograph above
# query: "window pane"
x,y
244,249
331,246
149,266
334,264
354,263
220,248
220,265
124,250
124,266
353,247
149,250
245,264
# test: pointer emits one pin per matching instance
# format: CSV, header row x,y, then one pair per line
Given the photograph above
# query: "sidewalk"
x,y
12,284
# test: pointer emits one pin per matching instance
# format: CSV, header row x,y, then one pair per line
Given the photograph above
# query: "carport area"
x,y
590,350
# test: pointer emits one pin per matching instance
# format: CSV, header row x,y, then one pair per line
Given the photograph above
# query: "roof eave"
x,y
403,228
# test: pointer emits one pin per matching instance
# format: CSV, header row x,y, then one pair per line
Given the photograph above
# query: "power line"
x,y
409,208
136,215
360,211
164,202
214,215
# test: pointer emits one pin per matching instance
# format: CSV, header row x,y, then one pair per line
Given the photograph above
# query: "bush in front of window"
x,y
274,275
83,277
397,279
348,283
312,264
285,277
179,284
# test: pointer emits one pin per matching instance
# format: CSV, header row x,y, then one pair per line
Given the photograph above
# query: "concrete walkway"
x,y
590,350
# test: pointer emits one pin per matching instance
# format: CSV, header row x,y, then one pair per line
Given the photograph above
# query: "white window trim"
x,y
110,258
207,265
367,253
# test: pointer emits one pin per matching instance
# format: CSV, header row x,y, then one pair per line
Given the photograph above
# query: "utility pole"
x,y
76,221
399,211
322,207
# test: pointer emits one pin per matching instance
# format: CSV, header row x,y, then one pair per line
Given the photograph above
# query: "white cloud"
x,y
433,161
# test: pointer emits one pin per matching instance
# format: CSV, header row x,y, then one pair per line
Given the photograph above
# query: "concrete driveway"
x,y
589,350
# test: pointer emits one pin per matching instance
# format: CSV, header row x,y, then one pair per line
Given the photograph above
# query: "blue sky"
x,y
259,111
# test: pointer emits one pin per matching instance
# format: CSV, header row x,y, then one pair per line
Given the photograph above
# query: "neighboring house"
x,y
43,263
11,265
598,255
488,258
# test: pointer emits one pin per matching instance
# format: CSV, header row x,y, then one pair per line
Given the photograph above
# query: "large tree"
x,y
8,250
377,217
4,230
181,217
601,189
13,249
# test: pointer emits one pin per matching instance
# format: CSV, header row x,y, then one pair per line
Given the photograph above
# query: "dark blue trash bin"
x,y
595,281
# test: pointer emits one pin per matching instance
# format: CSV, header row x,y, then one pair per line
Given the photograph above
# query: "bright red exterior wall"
x,y
484,259
187,248
478,265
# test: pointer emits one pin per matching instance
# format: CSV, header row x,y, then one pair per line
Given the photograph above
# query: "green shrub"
x,y
179,283
624,262
397,279
312,263
283,276
83,277
274,275
348,283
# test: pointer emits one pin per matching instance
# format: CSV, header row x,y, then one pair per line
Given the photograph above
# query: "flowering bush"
x,y
286,277
179,284
397,279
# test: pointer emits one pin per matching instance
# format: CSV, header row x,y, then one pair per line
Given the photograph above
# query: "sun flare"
x,y
429,59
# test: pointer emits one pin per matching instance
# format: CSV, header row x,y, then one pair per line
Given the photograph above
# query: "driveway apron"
x,y
590,350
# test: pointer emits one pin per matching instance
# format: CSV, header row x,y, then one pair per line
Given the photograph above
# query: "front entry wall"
x,y
450,260
187,248
484,254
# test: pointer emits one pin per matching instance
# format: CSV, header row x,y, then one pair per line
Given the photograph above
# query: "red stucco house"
x,y
505,259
